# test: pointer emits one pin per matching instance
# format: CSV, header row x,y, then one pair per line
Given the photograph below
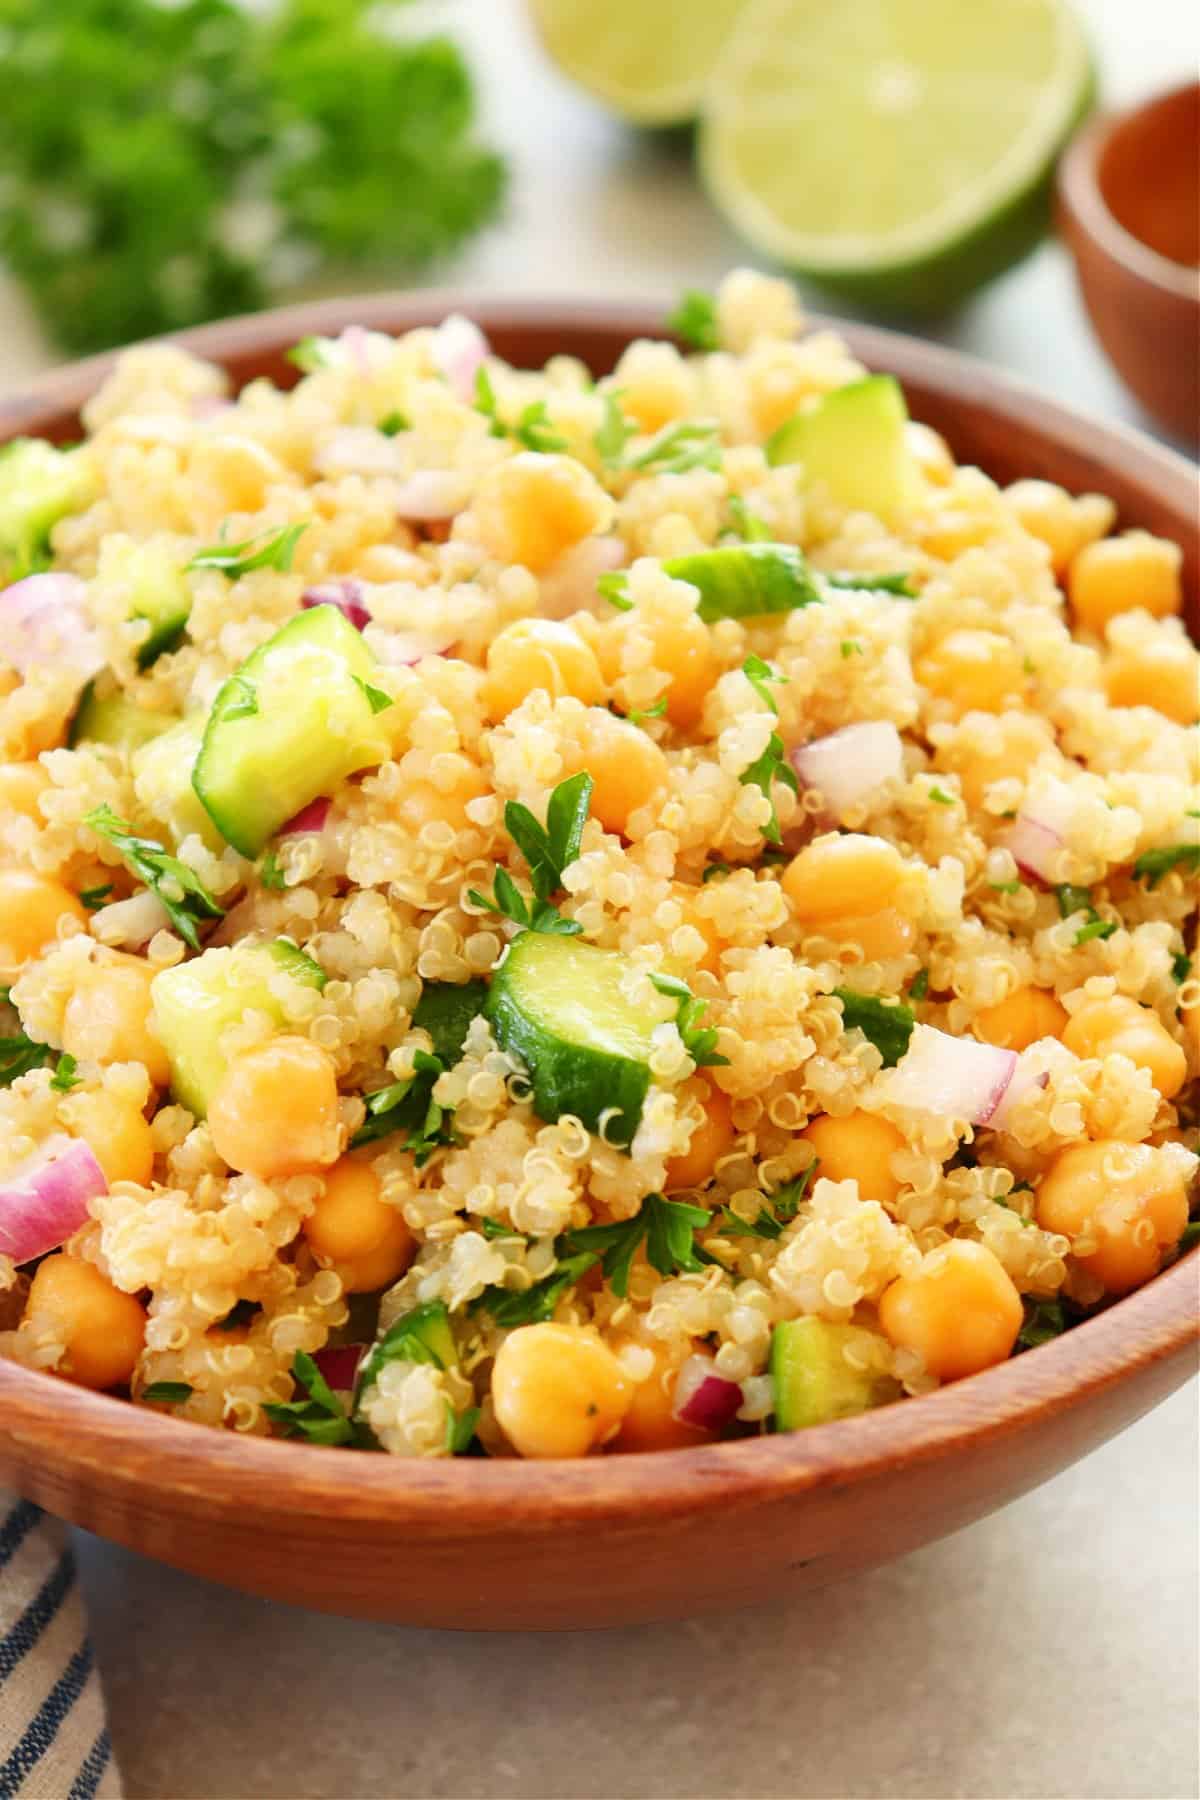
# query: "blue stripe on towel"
x,y
44,1726
37,1615
92,1769
16,1528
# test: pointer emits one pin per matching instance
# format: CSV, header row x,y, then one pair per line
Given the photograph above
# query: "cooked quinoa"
x,y
461,995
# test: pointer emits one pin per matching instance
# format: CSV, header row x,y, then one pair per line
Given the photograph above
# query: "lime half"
x,y
898,151
650,60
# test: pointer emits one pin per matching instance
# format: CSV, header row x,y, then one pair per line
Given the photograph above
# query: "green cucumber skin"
x,y
559,1086
813,1385
445,1011
115,721
167,632
746,581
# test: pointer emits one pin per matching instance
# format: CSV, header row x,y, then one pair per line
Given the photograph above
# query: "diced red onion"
x,y
704,1398
851,763
1039,831
356,342
309,820
1026,1076
44,1200
43,621
430,495
569,584
207,406
954,1077
357,450
338,1363
459,352
346,595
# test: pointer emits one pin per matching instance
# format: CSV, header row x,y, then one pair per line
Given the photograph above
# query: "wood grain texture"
x,y
1114,184
616,1540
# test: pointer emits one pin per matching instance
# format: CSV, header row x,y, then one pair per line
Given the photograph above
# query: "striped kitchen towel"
x,y
54,1742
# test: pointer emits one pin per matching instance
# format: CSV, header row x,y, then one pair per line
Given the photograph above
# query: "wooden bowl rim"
x,y
1081,193
205,1470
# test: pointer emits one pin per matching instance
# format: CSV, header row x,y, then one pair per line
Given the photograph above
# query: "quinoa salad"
x,y
546,917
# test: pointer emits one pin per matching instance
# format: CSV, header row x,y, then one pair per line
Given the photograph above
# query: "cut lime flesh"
x,y
649,61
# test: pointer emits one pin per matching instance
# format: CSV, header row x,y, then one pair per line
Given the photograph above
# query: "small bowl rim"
x,y
79,1435
1080,190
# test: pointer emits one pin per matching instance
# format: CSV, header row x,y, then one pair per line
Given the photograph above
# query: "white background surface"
x,y
1049,1651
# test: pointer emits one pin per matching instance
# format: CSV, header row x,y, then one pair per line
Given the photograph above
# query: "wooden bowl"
x,y
615,1540
1129,206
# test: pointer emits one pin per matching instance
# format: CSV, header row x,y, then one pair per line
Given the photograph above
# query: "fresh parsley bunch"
x,y
165,164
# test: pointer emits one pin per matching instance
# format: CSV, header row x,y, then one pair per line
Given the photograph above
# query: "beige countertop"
x,y
1051,1650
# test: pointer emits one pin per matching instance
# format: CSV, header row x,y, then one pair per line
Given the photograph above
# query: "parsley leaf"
x,y
780,1209
532,428
321,113
613,432
1044,1320
64,1077
95,898
534,1305
919,986
668,1228
1005,887
413,1338
275,551
548,849
695,320
460,1429
638,715
701,1045
686,444
1181,967
409,1106
1095,928
888,1027
771,766
270,873
759,673
895,583
19,1054
320,1418
310,354
940,795
614,587
713,869
376,699
393,423
170,1392
747,525
1190,1237
1072,900
1152,865
182,893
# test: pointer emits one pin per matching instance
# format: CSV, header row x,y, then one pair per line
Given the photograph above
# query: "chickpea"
x,y
1121,1204
713,1138
843,888
975,671
1120,1025
276,1111
1120,573
558,1390
859,1147
960,1312
425,803
21,787
1164,674
1064,524
930,452
1021,1018
650,1423
354,1229
627,768
684,647
102,1328
109,1018
31,909
539,653
117,1132
1023,737
532,508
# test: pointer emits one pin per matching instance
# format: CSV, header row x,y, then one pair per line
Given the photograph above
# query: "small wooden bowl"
x,y
1129,206
615,1540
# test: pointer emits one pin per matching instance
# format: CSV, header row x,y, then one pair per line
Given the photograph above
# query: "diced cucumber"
x,y
153,579
853,440
196,1002
813,1381
420,1336
561,1006
296,719
744,581
102,718
162,781
39,485
445,1011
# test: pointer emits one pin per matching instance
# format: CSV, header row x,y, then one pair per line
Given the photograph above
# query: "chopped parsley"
x,y
320,1418
1044,1320
780,1209
1006,887
393,423
270,873
1181,967
613,432
746,524
534,1305
420,1336
919,986
409,1106
639,714
274,551
310,354
1152,865
889,1027
695,320
460,1429
666,1226
496,1228
701,1045
548,849
1190,1237
766,769
687,444
532,427
894,583
180,890
850,647
1072,900
375,697
614,587
94,898
1095,928
760,674
20,1054
940,795
64,1077
713,869
170,1393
